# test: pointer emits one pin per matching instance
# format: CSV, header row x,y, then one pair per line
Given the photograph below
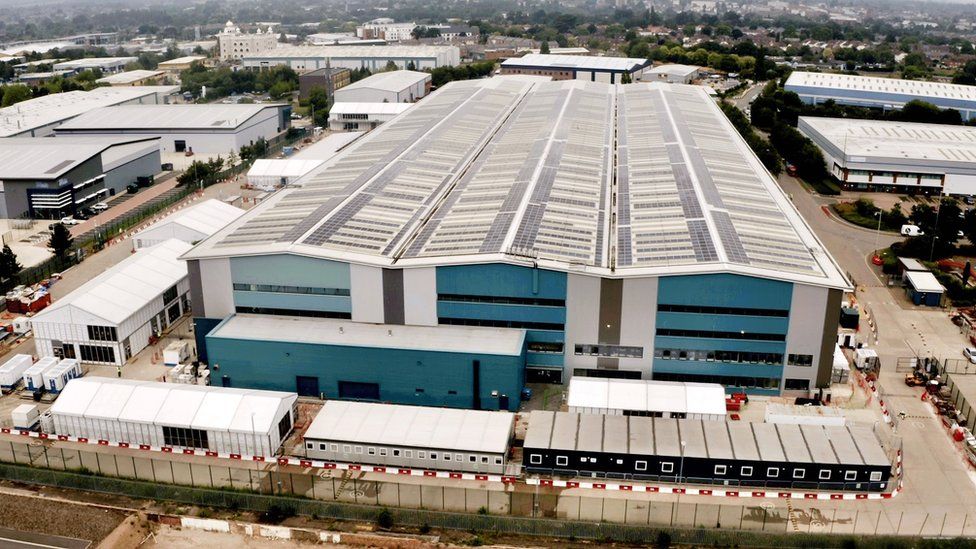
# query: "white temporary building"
x,y
219,419
188,225
635,397
804,415
267,174
13,370
112,316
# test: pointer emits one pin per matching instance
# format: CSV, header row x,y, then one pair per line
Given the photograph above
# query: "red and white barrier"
x,y
553,483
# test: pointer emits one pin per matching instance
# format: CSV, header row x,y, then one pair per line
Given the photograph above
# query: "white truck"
x,y
911,230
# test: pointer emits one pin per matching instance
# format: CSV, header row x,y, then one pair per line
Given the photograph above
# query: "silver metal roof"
x,y
818,444
49,158
394,81
521,171
183,116
693,436
743,441
879,85
413,426
717,439
580,62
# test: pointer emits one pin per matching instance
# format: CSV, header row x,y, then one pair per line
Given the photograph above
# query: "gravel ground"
x,y
56,518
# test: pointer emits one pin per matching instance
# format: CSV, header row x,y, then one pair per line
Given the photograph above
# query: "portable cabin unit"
x,y
635,397
12,371
58,376
34,375
474,441
25,417
176,353
218,419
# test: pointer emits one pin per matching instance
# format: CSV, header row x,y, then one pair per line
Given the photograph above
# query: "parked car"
x,y
970,353
132,188
83,214
69,221
99,207
791,170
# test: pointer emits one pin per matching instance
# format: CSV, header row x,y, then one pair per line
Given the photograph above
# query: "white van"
x,y
911,230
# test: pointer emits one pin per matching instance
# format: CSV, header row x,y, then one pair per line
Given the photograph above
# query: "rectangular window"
x,y
562,461
310,446
825,474
850,475
458,457
535,459
619,351
800,360
667,467
358,449
484,459
96,353
498,461
708,310
772,472
396,453
421,454
334,447
433,455
799,473
746,471
721,469
447,456
382,451
797,384
346,449
408,454
321,446
640,465
875,476
714,334
473,459
187,438
371,451
102,333
170,295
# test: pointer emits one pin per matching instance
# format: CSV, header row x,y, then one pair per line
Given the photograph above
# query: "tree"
x,y
9,268
61,241
15,94
279,90
544,48
319,103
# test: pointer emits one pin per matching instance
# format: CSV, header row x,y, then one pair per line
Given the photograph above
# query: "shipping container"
x,y
34,375
25,417
57,377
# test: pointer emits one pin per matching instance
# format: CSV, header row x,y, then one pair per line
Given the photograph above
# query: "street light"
x,y
681,466
877,233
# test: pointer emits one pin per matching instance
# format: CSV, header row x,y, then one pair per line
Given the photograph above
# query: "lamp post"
x,y
877,233
681,466
935,230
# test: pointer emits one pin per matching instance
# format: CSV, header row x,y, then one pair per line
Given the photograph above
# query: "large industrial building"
x,y
615,70
50,177
361,117
374,58
619,231
896,156
209,129
880,93
39,116
108,65
386,87
114,315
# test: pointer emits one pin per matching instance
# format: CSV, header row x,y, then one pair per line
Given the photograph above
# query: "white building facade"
x,y
189,225
234,44
386,87
363,116
386,29
375,58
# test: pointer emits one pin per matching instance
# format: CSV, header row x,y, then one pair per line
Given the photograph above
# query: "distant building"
x,y
180,64
319,78
363,116
234,44
387,29
107,65
332,38
268,174
900,157
374,58
672,74
455,32
54,177
38,78
387,87
577,67
209,129
880,93
131,78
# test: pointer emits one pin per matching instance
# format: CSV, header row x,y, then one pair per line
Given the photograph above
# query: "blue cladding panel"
x,y
300,302
399,373
723,323
290,270
725,290
524,313
501,280
717,368
202,327
705,344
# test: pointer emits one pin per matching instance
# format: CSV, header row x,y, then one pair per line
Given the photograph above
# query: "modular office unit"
x,y
58,377
634,397
113,316
473,441
217,419
708,452
13,370
34,375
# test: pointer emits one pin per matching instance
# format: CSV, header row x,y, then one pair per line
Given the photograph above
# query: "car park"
x,y
99,207
69,221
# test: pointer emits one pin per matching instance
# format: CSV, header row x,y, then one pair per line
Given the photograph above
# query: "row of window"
x,y
170,295
720,470
102,333
708,310
502,300
746,382
185,437
800,360
545,347
622,351
95,353
741,357
501,323
397,452
291,312
304,290
714,334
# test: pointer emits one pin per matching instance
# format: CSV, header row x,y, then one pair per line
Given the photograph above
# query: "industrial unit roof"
x,y
167,117
646,396
125,288
349,107
704,439
328,146
173,404
181,61
128,77
282,167
206,217
874,84
393,81
413,426
883,141
94,62
579,62
673,68
521,171
56,107
328,331
46,158
352,51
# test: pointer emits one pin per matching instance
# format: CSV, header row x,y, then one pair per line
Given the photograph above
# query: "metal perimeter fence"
x,y
284,506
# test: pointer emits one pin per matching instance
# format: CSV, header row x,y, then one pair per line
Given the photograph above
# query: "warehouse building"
x,y
374,58
51,178
190,225
880,93
706,452
110,318
615,70
361,117
901,157
131,78
327,79
634,397
39,116
626,231
471,441
107,65
172,415
174,67
386,87
672,74
207,129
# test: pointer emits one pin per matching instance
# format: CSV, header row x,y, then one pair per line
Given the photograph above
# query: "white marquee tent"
x,y
590,395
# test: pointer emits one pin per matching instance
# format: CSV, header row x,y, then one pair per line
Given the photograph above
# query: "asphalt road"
x,y
15,539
